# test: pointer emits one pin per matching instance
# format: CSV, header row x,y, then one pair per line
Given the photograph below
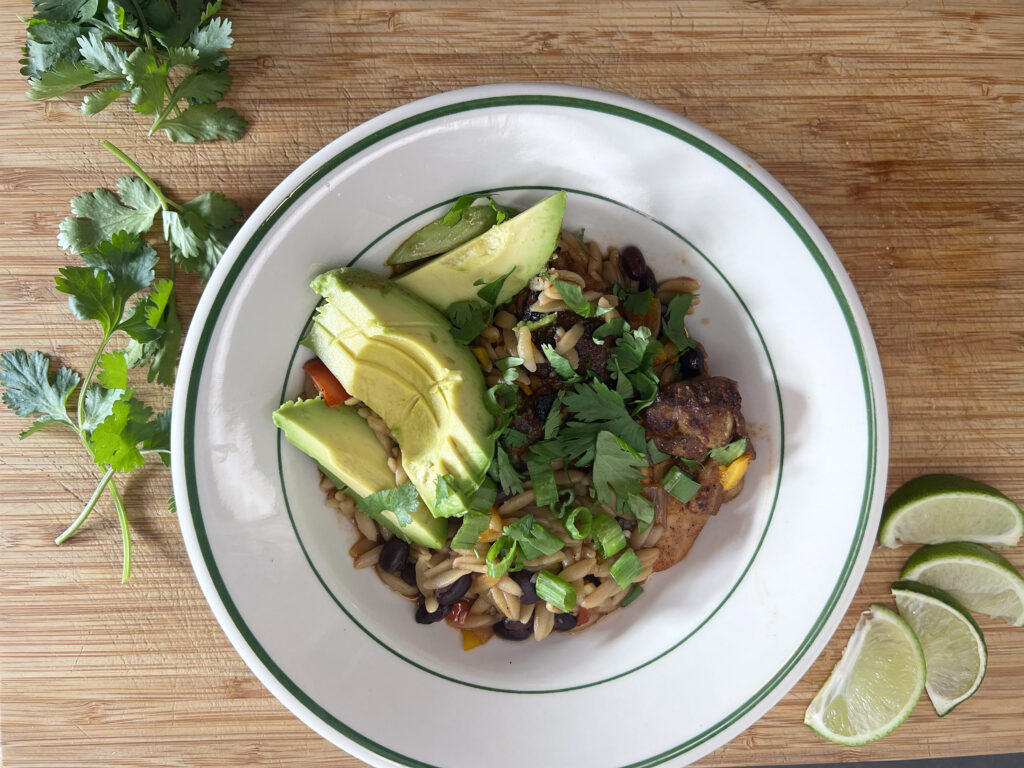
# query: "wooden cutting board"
x,y
899,127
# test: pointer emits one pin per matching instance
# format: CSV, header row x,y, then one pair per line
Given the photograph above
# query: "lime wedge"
x,y
954,648
933,509
876,683
979,578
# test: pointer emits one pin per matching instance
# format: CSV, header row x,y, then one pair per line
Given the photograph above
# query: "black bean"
x,y
633,263
647,281
541,404
393,556
423,616
451,594
525,581
564,622
512,630
690,363
592,579
409,574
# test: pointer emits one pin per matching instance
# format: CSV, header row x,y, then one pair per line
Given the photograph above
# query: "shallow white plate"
x,y
714,642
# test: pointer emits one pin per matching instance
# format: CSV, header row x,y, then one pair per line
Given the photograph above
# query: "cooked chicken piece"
x,y
683,521
691,417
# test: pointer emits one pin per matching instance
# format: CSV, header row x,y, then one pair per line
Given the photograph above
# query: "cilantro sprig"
x,y
116,287
168,58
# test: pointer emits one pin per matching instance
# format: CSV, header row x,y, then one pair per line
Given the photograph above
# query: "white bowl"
x,y
715,641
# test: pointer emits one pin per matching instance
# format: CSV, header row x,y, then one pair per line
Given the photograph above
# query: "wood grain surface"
x,y
899,127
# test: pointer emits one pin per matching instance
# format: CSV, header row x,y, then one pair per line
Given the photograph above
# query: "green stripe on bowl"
x,y
247,250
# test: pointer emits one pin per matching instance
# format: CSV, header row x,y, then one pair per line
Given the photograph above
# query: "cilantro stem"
x,y
126,538
87,509
85,384
165,202
172,104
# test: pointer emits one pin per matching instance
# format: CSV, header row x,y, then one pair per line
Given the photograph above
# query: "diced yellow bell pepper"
x,y
732,474
481,355
470,640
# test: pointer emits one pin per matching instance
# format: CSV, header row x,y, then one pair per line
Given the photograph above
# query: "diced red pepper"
x,y
460,611
583,617
325,381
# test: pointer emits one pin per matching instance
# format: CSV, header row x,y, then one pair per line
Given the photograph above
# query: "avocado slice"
x,y
396,354
524,242
347,450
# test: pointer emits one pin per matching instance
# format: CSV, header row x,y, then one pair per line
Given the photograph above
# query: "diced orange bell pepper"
x,y
325,381
732,474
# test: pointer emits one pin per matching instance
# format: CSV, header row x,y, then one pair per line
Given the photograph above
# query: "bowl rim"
x,y
439,106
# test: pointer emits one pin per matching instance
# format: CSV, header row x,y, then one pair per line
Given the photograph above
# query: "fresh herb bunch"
x,y
117,430
167,56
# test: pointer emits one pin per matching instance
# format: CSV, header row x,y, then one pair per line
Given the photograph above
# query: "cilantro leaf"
x,y
674,326
98,405
454,214
656,455
158,436
513,438
501,212
554,418
97,101
633,360
614,327
48,43
203,87
201,232
105,59
101,292
504,474
147,77
634,303
205,122
616,469
29,389
159,338
561,364
113,371
491,291
534,539
99,215
401,502
469,318
115,440
642,510
596,409
210,41
727,454
572,295
62,77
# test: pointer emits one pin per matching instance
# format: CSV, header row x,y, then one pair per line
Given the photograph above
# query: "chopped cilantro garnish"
x,y
614,327
454,214
554,418
473,524
504,474
674,325
727,454
534,539
470,317
596,408
561,364
635,303
656,455
616,468
572,295
642,510
401,502
513,438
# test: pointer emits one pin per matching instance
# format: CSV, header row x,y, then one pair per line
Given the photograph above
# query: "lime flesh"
x,y
875,685
954,647
934,509
977,577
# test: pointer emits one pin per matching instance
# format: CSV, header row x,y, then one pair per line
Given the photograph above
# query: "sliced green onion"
x,y
556,591
579,522
656,454
679,484
566,498
727,454
626,568
634,592
473,524
484,496
501,556
543,477
608,536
